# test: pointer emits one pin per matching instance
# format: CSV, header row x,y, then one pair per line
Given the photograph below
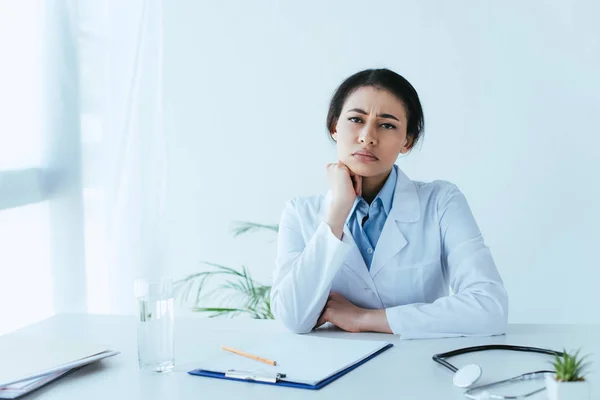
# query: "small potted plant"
x,y
568,382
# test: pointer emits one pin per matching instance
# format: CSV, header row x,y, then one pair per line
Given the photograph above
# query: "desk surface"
x,y
406,371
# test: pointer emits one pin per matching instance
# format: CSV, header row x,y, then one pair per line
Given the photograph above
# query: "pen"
x,y
252,356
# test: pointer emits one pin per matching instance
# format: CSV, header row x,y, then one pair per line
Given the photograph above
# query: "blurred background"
x,y
162,138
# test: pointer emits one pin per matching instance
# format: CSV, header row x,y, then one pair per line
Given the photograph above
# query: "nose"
x,y
368,135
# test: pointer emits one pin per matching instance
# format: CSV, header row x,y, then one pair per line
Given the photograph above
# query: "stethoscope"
x,y
466,376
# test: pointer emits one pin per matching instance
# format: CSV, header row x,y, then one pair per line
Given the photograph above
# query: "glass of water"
x,y
155,324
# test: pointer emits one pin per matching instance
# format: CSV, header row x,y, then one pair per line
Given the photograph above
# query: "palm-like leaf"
x,y
254,297
241,228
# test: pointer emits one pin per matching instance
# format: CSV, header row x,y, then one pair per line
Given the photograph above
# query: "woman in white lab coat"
x,y
380,252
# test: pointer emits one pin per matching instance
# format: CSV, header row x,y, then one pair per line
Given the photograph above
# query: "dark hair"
x,y
386,80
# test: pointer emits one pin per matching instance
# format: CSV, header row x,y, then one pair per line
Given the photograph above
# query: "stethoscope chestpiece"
x,y
467,375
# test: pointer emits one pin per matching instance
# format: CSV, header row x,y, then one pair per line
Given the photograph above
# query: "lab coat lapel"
x,y
389,244
354,260
406,207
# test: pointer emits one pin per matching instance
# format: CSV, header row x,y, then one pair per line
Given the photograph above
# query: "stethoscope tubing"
x,y
440,358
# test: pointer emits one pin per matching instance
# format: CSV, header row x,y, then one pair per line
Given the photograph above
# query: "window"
x,y
26,286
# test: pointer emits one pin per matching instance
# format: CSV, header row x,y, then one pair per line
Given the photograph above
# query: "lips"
x,y
365,154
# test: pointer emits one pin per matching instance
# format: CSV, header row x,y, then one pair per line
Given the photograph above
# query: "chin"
x,y
366,169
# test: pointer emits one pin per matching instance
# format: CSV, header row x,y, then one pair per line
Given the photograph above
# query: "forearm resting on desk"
x,y
342,313
375,321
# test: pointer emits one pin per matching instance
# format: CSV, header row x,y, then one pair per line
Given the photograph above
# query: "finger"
x,y
335,300
342,165
322,318
320,322
359,185
334,295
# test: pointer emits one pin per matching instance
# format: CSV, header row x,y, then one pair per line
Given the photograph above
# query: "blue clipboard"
x,y
276,381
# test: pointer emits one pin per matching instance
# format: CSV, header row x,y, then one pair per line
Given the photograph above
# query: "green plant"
x,y
252,298
569,367
248,227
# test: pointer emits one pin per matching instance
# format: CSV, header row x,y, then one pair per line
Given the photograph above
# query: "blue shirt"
x,y
367,235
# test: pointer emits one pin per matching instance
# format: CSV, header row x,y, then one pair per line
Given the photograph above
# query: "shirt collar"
x,y
385,195
406,205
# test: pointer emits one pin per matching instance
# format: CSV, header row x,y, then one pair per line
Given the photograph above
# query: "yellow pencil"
x,y
252,356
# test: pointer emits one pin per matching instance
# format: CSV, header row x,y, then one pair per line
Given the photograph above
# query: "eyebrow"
x,y
358,110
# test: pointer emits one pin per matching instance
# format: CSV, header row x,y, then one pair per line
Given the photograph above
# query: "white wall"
x,y
511,95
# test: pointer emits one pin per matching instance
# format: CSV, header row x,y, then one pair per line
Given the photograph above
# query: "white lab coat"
x,y
430,242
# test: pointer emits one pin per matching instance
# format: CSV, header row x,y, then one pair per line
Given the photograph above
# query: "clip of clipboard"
x,y
279,379
257,376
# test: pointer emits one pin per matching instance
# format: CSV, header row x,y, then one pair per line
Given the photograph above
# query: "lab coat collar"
x,y
385,195
406,207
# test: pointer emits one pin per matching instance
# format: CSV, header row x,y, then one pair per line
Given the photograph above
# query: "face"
x,y
371,131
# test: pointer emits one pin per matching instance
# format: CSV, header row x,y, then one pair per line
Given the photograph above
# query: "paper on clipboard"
x,y
303,359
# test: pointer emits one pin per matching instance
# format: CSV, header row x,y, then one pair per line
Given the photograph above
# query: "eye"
x,y
355,119
387,126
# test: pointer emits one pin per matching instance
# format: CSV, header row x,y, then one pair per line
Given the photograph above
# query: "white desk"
x,y
404,372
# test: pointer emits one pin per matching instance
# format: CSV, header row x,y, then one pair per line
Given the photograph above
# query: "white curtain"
x,y
82,155
124,149
26,275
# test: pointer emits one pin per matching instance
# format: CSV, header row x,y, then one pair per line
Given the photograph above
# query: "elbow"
x,y
294,324
495,321
502,316
290,317
298,328
496,324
